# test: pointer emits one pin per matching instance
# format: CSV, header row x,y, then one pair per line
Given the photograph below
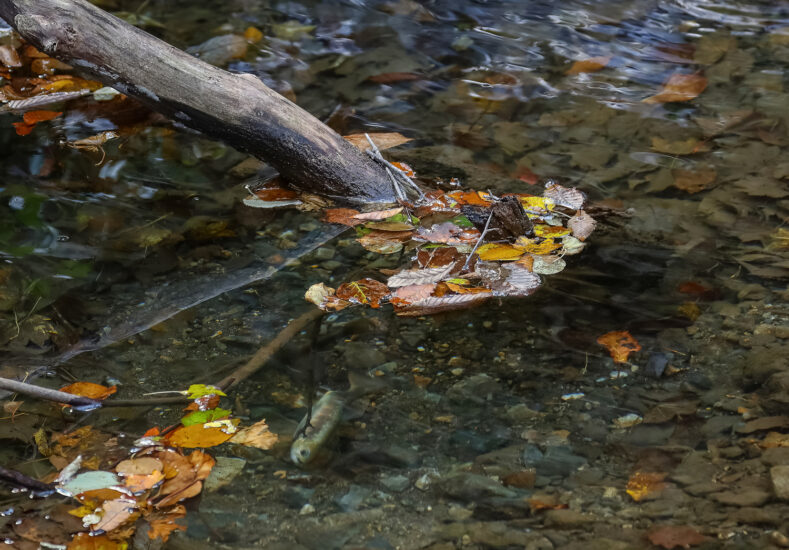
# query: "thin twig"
x,y
18,479
84,403
479,241
376,155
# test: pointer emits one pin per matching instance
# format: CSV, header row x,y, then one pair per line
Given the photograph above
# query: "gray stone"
x,y
362,356
720,425
521,414
354,498
777,456
531,455
472,487
324,253
395,483
490,534
567,518
649,435
779,475
223,472
694,468
476,389
296,496
742,497
559,461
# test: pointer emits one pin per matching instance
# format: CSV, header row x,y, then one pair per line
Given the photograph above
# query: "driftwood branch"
x,y
238,109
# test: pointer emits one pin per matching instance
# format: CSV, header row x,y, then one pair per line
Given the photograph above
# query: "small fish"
x,y
326,416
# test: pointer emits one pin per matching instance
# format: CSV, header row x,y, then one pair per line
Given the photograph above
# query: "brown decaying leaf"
x,y
9,57
84,541
412,293
342,216
257,435
275,194
437,257
383,141
143,465
589,65
380,242
564,196
365,291
447,233
115,513
318,293
679,87
379,215
460,289
620,344
433,305
419,276
673,536
693,181
582,225
391,78
184,475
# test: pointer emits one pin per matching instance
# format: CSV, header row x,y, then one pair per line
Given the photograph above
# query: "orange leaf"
x,y
620,344
589,65
23,129
460,289
163,524
477,198
642,484
203,435
407,170
275,194
84,541
89,389
252,34
343,216
679,87
32,117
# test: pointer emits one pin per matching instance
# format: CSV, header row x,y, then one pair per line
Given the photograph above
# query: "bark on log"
x,y
238,109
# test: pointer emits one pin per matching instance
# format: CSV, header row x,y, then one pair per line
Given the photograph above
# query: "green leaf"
x,y
458,281
462,221
201,417
200,390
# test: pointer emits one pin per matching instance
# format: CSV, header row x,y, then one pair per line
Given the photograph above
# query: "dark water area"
x,y
505,426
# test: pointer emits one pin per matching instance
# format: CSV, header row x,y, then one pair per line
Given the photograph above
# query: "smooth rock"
x,y
567,518
742,497
223,472
472,487
395,483
777,456
779,475
559,461
362,356
354,498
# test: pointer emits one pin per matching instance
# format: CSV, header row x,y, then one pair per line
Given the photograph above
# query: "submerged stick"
x,y
264,354
77,401
18,479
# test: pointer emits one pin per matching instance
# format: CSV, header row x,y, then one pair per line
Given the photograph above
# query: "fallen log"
x,y
237,109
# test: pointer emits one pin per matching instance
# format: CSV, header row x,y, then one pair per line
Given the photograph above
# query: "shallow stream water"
x,y
506,426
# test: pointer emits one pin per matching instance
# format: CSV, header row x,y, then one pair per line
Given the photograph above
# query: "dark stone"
x,y
559,461
473,487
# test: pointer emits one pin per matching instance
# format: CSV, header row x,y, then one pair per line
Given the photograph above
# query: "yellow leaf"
x,y
536,205
532,246
542,230
253,34
642,484
499,252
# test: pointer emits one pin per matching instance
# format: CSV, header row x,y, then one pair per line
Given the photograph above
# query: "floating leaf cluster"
x,y
115,487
